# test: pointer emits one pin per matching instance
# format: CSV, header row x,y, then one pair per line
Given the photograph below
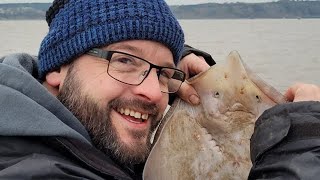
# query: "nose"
x,y
150,88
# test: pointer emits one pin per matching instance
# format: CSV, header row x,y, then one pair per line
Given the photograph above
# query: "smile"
x,y
132,113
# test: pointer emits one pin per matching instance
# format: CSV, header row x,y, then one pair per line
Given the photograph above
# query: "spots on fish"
x,y
244,76
196,136
236,164
226,75
202,148
242,90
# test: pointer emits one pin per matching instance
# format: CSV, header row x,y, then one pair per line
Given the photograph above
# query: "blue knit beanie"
x,y
76,26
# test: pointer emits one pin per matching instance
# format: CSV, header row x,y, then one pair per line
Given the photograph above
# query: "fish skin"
x,y
212,140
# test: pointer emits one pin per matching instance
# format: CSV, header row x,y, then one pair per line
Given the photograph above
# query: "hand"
x,y
191,65
303,92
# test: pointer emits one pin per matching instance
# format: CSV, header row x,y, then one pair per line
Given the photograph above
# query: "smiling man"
x,y
87,106
127,93
113,68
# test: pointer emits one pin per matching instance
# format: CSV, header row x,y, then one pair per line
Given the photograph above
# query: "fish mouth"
x,y
238,107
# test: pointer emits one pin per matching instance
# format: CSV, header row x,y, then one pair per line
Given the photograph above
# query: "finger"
x,y
289,95
291,91
188,94
303,92
200,66
193,65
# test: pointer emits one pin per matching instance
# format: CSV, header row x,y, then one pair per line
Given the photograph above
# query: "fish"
x,y
212,140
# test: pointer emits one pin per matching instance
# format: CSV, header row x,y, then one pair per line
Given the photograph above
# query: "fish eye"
x,y
258,98
216,94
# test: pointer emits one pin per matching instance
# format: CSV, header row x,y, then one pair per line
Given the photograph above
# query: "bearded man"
x,y
86,107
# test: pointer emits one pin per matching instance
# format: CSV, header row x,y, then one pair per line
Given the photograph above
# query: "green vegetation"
x,y
279,9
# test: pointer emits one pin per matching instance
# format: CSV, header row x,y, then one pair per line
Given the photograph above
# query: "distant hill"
x,y
23,10
280,9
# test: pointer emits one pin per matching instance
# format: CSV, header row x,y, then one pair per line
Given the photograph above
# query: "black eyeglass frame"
x,y
106,55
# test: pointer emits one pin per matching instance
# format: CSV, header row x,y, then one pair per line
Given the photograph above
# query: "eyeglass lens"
x,y
132,70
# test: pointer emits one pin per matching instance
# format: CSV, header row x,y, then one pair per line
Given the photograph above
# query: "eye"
x,y
124,60
258,98
144,73
177,75
216,94
167,73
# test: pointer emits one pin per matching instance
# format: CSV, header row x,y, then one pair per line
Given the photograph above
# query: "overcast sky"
x,y
171,2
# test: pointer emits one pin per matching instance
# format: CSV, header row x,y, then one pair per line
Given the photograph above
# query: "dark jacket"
x,y
40,138
286,143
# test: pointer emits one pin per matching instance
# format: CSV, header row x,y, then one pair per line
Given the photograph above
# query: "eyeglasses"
x,y
132,70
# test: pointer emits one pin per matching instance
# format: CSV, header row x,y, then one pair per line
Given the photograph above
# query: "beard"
x,y
97,121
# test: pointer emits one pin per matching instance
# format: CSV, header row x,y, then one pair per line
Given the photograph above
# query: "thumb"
x,y
188,94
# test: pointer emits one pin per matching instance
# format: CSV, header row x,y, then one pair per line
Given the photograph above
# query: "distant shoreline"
x,y
283,9
204,19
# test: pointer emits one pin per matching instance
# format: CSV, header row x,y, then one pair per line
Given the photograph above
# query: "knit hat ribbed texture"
x,y
76,26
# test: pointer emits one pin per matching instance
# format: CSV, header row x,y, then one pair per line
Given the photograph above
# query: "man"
x,y
106,70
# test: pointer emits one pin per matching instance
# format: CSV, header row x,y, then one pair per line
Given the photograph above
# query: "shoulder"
x,y
55,157
31,157
22,61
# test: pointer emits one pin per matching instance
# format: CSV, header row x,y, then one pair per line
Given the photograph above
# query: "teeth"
x,y
144,116
126,111
137,115
132,113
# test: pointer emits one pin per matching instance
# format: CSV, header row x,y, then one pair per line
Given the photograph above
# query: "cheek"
x,y
102,88
106,90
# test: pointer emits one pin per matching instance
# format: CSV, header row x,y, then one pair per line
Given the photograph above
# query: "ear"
x,y
54,78
54,81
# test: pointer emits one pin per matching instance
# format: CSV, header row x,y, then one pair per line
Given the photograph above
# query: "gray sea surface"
x,y
280,51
